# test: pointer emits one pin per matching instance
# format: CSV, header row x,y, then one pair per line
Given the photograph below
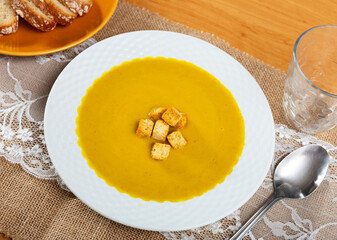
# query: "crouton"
x,y
160,151
160,130
145,127
171,116
176,140
156,113
182,122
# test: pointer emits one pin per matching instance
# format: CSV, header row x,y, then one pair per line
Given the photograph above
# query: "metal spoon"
x,y
297,176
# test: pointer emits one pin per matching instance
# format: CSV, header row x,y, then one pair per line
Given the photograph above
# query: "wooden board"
x,y
264,29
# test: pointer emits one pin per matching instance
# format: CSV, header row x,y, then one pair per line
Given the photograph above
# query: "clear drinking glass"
x,y
310,98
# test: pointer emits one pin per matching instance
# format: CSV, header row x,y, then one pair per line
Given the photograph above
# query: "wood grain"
x,y
264,29
2,237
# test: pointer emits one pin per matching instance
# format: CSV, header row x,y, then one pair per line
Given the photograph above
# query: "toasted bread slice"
x,y
81,7
9,20
33,15
61,13
43,6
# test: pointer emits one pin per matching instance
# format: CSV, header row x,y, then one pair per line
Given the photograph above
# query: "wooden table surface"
x,y
265,29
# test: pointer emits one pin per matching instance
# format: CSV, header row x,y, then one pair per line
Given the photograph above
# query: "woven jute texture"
x,y
31,208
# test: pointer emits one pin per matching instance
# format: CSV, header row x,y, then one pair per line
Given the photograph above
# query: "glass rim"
x,y
298,67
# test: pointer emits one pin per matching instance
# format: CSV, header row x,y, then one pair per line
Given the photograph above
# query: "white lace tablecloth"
x,y
24,88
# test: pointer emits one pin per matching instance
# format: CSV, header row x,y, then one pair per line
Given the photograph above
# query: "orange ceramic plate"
x,y
28,41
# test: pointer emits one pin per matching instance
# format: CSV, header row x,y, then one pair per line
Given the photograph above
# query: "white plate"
x,y
239,186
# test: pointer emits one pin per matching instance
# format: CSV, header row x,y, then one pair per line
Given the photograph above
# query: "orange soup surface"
x,y
108,117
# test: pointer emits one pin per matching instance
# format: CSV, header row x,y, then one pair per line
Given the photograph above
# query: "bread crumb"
x,y
156,113
145,127
176,139
160,130
182,122
171,116
160,151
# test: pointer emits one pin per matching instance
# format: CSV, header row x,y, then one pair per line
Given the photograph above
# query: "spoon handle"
x,y
255,218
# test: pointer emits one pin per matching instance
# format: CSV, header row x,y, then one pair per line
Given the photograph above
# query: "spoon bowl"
x,y
297,176
301,172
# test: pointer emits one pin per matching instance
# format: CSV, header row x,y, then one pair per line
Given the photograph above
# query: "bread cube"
x,y
182,122
176,139
160,130
171,116
145,127
156,113
160,151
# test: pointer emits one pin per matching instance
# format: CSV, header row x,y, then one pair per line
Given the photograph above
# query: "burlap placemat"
x,y
31,208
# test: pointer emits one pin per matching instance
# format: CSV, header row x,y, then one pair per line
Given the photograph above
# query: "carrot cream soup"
x,y
108,117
